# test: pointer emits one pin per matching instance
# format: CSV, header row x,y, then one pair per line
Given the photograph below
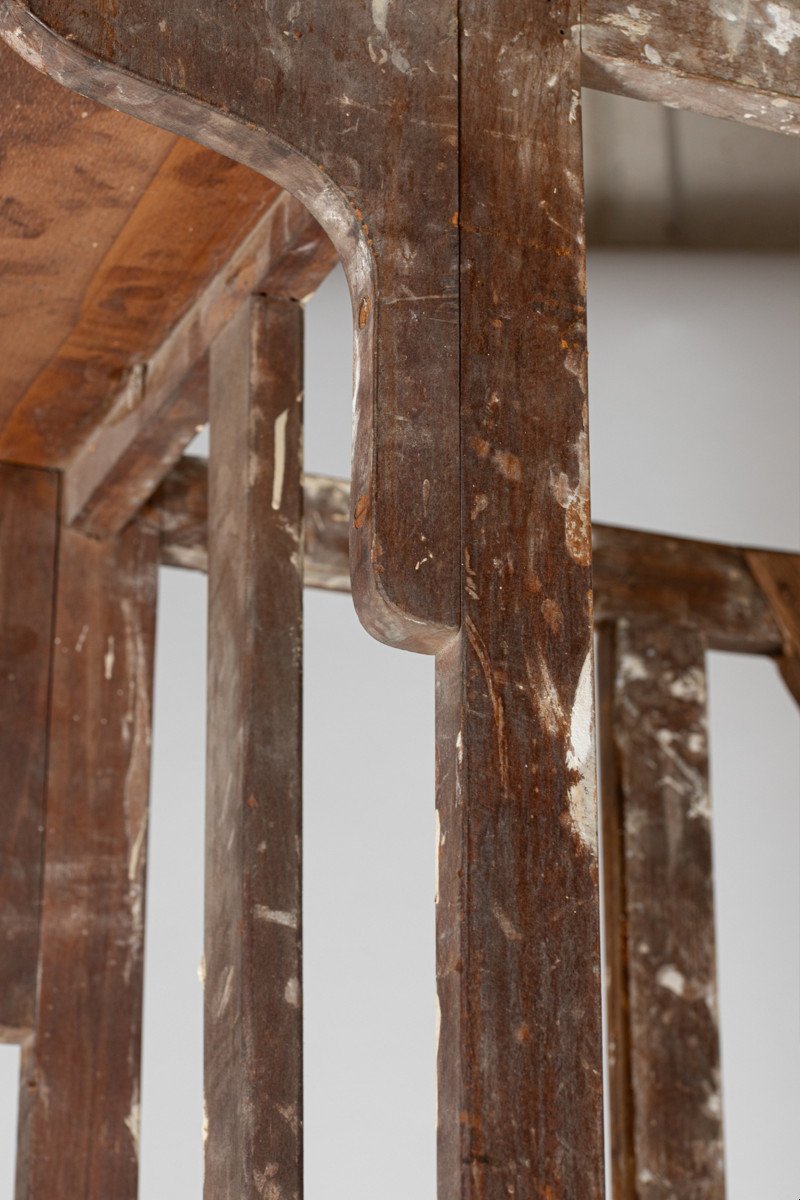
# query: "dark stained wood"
x,y
727,60
705,584
520,1062
28,539
779,577
253,1015
666,1107
354,110
79,1128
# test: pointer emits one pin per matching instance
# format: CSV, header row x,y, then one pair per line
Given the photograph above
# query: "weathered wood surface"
x,y
109,232
707,585
520,1062
354,110
253,1016
665,1101
28,539
779,577
737,60
79,1108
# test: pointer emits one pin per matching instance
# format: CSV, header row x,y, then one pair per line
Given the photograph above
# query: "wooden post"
x,y
253,1041
666,1114
28,538
79,1110
520,1080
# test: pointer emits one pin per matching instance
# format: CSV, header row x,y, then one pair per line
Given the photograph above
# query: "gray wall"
x,y
695,380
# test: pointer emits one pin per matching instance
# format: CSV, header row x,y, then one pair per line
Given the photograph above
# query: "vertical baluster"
x,y
253,1021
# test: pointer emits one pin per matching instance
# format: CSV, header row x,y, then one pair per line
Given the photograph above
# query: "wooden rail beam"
x,y
704,584
740,61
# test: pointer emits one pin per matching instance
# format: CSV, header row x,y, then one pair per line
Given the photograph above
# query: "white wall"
x,y
695,382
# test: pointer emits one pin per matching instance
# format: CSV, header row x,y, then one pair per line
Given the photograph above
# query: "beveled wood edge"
x,y
265,152
705,584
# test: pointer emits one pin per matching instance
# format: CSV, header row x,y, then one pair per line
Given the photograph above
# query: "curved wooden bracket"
x,y
317,97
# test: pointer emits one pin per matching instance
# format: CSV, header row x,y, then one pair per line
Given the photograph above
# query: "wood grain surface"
x,y
28,541
253,1014
79,1105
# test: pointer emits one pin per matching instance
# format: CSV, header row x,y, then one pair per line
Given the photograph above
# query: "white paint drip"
x,y
380,16
109,659
787,28
274,916
580,758
133,1121
280,459
510,931
291,992
81,639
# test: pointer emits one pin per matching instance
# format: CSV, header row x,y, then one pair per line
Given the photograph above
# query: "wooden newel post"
x,y
253,1021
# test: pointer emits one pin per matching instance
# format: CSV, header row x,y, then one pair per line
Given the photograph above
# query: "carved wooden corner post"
x,y
439,146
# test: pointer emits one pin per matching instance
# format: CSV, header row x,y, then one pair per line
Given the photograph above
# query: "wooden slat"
x,y
520,1061
727,60
253,1019
665,1101
28,538
779,578
707,585
79,1108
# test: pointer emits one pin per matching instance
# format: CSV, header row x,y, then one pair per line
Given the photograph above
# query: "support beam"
x,y
737,61
520,1062
705,584
28,541
79,1107
664,1062
253,1017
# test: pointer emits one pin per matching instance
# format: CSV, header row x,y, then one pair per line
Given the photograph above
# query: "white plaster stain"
x,y
274,916
787,28
581,759
672,979
291,992
280,458
109,659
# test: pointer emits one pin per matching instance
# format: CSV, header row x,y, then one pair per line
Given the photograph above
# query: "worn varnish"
x,y
520,1092
740,61
354,110
664,1061
253,989
28,539
79,1106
